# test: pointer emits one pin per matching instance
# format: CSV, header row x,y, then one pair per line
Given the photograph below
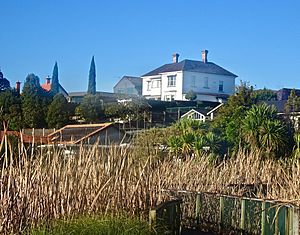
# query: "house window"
x,y
148,85
205,83
156,84
193,81
169,97
172,81
221,86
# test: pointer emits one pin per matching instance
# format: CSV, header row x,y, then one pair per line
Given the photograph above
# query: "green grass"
x,y
98,226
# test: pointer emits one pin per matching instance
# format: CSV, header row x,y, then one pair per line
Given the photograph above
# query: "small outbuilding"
x,y
103,133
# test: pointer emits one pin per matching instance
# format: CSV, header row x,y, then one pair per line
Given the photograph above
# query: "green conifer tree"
x,y
55,82
92,78
58,112
35,102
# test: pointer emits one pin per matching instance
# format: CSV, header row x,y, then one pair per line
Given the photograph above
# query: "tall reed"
x,y
38,185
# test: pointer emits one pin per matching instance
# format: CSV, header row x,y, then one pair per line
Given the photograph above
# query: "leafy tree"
x,y
4,83
191,95
264,95
131,111
116,111
55,82
10,109
58,113
227,123
35,102
91,108
92,78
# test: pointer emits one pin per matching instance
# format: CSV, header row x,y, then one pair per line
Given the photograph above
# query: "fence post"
x,y
243,215
152,218
198,207
221,213
263,217
293,218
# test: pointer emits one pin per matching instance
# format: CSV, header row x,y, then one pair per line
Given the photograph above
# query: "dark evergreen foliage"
x,y
91,108
10,109
92,78
4,83
55,82
58,112
35,102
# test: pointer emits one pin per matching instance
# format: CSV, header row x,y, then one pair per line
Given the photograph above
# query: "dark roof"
x,y
284,93
83,93
278,104
191,66
63,89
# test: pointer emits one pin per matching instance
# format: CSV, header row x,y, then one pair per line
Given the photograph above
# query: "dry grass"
x,y
37,186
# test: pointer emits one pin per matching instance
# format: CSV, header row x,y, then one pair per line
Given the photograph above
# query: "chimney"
x,y
18,86
204,56
175,58
47,80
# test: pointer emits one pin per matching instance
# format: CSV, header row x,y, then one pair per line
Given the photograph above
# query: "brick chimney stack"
x,y
18,86
175,58
47,80
204,56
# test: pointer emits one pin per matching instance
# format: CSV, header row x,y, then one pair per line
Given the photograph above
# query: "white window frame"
x,y
148,85
172,81
156,83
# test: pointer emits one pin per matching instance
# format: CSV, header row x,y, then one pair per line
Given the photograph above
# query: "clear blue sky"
x,y
257,40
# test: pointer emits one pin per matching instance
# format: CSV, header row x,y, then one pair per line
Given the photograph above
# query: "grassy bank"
x,y
104,225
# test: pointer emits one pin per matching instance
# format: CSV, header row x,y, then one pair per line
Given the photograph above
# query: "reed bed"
x,y
39,185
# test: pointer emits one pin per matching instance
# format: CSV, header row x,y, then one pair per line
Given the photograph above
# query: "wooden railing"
x,y
167,215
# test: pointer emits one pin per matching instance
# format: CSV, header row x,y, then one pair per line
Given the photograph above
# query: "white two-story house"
x,y
208,81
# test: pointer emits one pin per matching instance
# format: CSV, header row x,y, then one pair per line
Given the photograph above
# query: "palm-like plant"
x,y
187,142
272,135
262,129
175,144
199,145
213,142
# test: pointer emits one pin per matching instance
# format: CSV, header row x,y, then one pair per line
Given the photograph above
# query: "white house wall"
x,y
175,91
199,85
152,92
186,81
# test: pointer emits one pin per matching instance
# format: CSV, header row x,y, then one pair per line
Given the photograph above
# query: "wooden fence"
x,y
227,214
167,215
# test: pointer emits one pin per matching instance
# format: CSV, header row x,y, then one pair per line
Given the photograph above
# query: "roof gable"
x,y
191,66
192,111
136,81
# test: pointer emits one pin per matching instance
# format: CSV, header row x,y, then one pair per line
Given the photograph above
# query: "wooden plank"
x,y
263,218
243,215
198,208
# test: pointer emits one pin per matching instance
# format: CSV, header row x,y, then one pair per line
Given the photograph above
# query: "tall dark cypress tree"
x,y
55,83
92,78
